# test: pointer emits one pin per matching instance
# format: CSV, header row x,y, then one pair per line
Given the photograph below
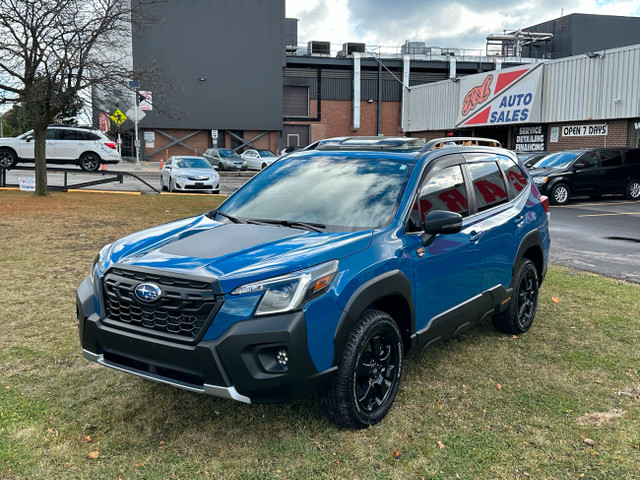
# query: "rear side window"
x,y
611,158
445,190
515,177
68,135
633,156
488,184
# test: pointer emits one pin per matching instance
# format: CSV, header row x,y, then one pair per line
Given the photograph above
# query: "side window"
x,y
51,134
611,158
588,160
445,190
515,177
68,135
633,156
488,184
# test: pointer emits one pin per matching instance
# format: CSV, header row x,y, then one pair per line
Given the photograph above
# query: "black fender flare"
x,y
532,239
389,284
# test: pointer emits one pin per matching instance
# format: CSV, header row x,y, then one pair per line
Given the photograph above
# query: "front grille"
x,y
184,309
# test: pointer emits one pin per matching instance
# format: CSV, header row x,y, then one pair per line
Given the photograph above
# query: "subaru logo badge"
x,y
148,292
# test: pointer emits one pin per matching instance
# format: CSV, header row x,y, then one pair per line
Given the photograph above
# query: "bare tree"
x,y
51,50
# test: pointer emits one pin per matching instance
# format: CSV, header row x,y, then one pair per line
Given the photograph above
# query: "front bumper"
x,y
240,365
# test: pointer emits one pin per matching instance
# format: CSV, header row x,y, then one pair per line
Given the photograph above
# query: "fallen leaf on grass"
x,y
589,442
441,445
555,299
397,455
498,386
94,454
82,440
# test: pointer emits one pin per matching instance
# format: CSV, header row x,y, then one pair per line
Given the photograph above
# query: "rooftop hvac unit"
x,y
415,48
450,51
349,48
314,47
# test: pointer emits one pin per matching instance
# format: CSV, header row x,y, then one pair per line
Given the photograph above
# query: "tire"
x,y
363,390
163,187
172,185
264,165
519,315
89,162
631,193
560,194
8,158
220,166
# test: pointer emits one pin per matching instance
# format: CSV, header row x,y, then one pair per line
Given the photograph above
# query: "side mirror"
x,y
440,222
28,139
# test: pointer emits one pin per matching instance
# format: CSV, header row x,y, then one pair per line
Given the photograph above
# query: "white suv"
x,y
88,148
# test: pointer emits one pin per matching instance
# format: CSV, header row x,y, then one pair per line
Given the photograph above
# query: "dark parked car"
x,y
529,159
592,172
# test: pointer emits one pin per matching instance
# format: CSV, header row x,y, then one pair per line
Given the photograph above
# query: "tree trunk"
x,y
39,139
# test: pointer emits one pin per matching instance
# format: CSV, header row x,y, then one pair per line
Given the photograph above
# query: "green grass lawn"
x,y
561,401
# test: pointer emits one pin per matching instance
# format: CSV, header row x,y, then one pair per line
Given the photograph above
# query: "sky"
x,y
442,23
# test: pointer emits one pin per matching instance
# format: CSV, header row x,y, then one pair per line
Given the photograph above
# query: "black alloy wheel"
x,y
369,373
519,315
90,162
7,158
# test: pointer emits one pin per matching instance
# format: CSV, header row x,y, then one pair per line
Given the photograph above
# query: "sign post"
x,y
135,84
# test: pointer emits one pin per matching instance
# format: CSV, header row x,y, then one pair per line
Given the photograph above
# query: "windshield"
x,y
341,193
228,153
266,153
192,163
557,160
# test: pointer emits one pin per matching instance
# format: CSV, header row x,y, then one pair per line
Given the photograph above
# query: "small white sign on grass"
x,y
27,184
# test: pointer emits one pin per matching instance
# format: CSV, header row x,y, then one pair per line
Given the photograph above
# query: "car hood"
x,y
545,171
234,253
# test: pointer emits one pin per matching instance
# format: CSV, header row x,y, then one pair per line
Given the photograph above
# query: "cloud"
x,y
437,22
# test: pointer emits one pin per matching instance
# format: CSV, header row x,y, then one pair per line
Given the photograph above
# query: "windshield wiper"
x,y
229,217
314,227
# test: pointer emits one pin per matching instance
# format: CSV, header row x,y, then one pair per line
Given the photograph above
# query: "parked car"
x,y
321,273
86,147
225,159
181,173
288,150
259,159
592,172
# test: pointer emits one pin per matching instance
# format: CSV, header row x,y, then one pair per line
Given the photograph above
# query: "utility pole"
x,y
135,84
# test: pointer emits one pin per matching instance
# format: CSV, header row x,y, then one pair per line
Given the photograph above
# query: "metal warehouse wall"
x,y
583,88
235,47
575,89
432,107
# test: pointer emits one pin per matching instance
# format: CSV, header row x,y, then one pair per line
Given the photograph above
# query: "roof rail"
x,y
62,125
371,143
459,141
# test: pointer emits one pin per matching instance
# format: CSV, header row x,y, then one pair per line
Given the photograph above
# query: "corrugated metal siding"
x,y
582,88
432,106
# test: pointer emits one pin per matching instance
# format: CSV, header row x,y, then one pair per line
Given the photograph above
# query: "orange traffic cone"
x,y
103,167
161,164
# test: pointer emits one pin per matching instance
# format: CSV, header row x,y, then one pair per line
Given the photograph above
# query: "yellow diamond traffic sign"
x,y
118,117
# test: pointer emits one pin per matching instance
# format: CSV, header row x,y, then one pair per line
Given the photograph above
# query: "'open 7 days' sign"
x,y
500,97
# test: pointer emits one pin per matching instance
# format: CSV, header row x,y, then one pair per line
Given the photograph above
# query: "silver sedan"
x,y
189,174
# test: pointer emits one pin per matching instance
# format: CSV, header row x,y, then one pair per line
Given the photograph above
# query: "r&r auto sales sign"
x,y
501,97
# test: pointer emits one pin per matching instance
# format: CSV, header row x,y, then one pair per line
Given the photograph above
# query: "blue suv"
x,y
322,273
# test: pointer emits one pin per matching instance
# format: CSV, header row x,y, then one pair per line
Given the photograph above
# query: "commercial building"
x,y
237,77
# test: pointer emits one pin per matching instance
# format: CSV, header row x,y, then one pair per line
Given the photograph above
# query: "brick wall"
x,y
618,136
196,144
268,141
337,119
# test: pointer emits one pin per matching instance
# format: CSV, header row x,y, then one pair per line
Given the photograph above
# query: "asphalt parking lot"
x,y
600,236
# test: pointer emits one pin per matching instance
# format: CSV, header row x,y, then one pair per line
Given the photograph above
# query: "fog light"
x,y
282,358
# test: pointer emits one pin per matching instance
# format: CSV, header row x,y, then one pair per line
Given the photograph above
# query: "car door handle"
x,y
475,236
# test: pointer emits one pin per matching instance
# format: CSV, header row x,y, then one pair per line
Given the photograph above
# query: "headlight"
x,y
289,292
181,176
540,180
98,262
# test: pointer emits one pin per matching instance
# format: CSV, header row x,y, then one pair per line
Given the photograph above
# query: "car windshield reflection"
x,y
343,193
